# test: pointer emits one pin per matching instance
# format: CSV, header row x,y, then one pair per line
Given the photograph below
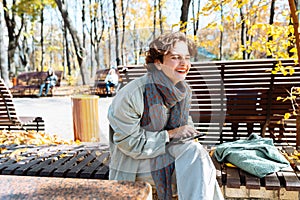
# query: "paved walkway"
x,y
57,113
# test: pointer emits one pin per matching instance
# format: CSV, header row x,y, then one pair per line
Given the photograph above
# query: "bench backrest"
x,y
9,120
8,115
37,78
101,75
232,99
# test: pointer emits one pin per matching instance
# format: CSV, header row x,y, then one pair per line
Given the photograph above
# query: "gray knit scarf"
x,y
160,92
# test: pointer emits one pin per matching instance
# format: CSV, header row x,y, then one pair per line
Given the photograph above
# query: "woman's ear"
x,y
157,64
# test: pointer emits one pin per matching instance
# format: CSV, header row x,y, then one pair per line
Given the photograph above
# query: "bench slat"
x,y
251,182
232,178
97,164
272,182
218,170
292,183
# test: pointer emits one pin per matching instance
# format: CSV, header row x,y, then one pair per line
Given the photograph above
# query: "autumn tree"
x,y
97,31
78,45
116,28
3,68
195,19
11,17
271,21
124,10
184,14
250,21
160,15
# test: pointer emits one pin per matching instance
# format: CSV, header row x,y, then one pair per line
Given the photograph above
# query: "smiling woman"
x,y
150,125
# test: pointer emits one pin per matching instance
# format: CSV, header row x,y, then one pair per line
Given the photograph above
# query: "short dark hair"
x,y
163,44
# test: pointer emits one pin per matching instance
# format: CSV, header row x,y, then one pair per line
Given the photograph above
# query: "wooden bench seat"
x,y
70,161
28,83
9,120
237,183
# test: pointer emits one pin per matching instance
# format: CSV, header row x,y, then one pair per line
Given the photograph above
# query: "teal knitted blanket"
x,y
255,155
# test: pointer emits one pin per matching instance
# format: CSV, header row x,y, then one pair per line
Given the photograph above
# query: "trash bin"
x,y
86,118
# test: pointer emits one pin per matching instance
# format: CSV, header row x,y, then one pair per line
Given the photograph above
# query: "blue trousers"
x,y
107,86
47,86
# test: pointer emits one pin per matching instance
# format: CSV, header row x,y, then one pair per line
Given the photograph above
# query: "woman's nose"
x,y
184,61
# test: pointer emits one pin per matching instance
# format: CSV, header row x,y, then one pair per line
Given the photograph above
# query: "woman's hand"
x,y
183,132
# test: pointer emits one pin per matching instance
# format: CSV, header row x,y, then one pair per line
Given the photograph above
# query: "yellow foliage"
x,y
293,50
265,7
279,98
221,28
230,165
174,25
31,137
287,115
228,18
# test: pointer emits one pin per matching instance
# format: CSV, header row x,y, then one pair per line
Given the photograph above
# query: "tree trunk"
x,y
97,36
42,39
221,34
195,23
184,14
160,17
83,23
123,50
13,34
92,44
154,19
109,46
67,49
196,17
272,14
123,33
79,49
243,33
3,67
24,52
135,46
118,60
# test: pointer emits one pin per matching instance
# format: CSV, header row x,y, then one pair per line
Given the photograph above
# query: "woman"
x,y
49,82
111,80
149,121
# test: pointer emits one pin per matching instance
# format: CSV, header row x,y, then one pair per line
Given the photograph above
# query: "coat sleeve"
x,y
124,116
190,122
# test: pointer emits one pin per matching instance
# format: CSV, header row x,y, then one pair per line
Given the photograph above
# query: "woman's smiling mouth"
x,y
182,70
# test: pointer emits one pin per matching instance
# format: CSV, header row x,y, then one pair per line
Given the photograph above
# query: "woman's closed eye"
x,y
180,58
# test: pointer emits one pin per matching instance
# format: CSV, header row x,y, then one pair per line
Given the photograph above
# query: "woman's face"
x,y
176,64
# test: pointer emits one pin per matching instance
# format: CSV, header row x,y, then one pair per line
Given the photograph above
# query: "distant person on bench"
x,y
49,82
111,80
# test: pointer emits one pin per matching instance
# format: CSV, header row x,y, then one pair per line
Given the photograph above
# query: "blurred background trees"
x,y
81,36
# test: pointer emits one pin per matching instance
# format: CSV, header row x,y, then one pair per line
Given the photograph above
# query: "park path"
x,y
57,114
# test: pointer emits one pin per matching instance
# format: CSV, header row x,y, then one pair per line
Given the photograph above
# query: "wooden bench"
x,y
9,120
99,87
231,100
89,160
28,83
